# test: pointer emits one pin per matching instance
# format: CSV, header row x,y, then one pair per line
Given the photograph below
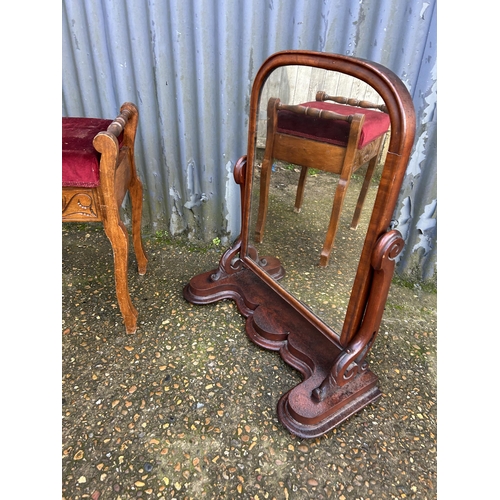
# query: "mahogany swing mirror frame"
x,y
336,381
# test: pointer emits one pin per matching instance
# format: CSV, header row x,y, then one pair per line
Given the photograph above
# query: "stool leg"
x,y
338,200
364,190
265,173
265,179
135,191
299,198
118,237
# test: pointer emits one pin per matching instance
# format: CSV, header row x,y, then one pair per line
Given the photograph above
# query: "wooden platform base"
x,y
272,323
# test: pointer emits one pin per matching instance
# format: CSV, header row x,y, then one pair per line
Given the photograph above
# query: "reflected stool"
x,y
337,137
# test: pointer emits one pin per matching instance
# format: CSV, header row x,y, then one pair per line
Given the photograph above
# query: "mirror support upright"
x,y
336,379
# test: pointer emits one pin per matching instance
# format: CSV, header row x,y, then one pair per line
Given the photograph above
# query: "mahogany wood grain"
x,y
337,381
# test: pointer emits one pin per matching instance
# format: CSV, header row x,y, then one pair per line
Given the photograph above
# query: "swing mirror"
x,y
328,143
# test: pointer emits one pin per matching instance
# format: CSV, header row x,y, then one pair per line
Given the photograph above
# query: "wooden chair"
x,y
98,169
337,137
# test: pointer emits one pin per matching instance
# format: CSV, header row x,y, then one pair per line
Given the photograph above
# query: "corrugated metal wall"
x,y
189,67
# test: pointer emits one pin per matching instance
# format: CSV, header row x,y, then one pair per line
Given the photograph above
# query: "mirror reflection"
x,y
315,178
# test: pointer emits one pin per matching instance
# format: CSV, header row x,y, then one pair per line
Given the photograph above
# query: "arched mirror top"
x,y
386,83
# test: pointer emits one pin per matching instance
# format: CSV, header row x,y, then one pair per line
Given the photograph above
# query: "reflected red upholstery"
x,y
80,161
333,131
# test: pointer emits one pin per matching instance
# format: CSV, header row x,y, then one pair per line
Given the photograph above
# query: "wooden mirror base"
x,y
272,323
336,380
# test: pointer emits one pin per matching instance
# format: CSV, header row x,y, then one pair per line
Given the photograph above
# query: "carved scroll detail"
x,y
351,360
79,204
229,263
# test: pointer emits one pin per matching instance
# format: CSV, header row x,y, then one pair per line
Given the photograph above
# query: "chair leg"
x,y
362,193
135,191
338,201
118,237
299,198
265,179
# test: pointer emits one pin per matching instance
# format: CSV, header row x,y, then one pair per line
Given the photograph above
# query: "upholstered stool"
x,y
337,137
98,169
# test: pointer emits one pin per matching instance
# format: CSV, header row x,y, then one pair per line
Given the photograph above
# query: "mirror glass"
x,y
296,238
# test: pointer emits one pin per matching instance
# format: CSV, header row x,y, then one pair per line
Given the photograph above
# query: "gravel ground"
x,y
186,407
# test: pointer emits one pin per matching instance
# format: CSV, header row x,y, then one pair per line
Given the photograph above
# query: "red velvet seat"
x,y
80,160
98,169
318,129
338,137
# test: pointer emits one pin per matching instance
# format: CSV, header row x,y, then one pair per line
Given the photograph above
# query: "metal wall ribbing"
x,y
189,67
